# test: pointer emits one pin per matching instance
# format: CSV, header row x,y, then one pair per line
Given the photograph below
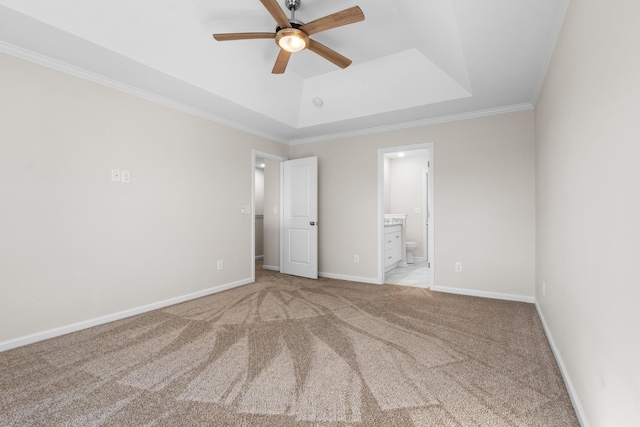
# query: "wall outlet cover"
x,y
458,267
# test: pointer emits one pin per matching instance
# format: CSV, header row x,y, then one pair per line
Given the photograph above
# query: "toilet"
x,y
411,247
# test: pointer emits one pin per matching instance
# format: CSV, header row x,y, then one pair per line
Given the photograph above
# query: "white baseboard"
x,y
573,395
484,294
259,256
271,267
63,330
349,278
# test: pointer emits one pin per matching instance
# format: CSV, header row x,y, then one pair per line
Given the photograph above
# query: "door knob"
x,y
312,223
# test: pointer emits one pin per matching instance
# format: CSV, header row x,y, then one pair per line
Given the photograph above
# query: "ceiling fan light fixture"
x,y
292,39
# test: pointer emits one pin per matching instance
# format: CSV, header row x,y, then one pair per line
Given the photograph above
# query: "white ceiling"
x,y
414,62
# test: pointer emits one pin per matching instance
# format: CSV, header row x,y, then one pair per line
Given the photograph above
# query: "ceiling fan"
x,y
292,35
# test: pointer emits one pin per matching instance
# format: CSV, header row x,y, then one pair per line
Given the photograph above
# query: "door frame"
x,y
280,159
429,147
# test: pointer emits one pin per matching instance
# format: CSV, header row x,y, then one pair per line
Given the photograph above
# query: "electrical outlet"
x,y
458,267
356,259
544,289
126,176
220,265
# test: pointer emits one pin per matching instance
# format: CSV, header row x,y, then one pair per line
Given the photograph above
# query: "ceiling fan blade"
x,y
281,62
338,19
277,13
329,54
243,36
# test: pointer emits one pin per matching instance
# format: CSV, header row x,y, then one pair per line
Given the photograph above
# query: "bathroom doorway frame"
x,y
280,159
430,202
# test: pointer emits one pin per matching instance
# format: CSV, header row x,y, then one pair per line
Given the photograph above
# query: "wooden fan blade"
x,y
281,62
338,19
277,13
243,36
329,54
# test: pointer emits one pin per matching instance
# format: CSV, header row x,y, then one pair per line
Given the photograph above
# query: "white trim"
x,y
484,294
429,148
264,155
425,212
349,278
271,267
417,123
573,395
45,61
74,327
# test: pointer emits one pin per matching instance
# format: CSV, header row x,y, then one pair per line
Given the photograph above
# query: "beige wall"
x,y
588,208
75,246
484,202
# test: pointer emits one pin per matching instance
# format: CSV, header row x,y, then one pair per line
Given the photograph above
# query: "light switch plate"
x,y
115,175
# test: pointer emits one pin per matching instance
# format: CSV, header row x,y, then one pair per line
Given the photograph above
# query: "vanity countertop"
x,y
394,219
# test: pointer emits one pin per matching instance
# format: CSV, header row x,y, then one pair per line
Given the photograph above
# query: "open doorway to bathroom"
x,y
406,205
265,227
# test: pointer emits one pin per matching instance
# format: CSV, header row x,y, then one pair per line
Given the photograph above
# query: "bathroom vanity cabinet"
x,y
392,246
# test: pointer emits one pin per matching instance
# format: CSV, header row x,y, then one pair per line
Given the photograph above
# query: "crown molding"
x,y
113,84
418,123
104,81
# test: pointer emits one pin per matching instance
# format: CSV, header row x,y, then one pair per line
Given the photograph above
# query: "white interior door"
x,y
300,217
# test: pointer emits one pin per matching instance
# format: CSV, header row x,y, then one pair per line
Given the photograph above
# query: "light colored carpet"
x,y
290,351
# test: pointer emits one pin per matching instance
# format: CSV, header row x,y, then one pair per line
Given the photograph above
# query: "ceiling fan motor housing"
x,y
292,4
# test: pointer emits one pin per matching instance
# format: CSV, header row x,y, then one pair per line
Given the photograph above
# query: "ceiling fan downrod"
x,y
292,5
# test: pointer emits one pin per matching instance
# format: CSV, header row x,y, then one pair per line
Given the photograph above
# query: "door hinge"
x,y
429,264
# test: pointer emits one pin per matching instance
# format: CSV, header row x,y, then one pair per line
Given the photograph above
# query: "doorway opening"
x,y
266,205
406,215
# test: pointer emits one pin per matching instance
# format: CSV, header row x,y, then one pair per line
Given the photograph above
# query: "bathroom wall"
x,y
406,193
387,186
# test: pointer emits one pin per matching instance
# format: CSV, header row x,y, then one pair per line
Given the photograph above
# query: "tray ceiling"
x,y
413,62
